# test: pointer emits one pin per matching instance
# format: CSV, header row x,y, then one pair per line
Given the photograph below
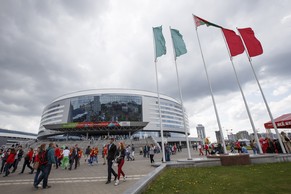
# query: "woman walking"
x,y
152,153
120,161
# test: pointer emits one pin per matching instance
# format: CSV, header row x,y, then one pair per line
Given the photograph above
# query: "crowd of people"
x,y
267,144
41,160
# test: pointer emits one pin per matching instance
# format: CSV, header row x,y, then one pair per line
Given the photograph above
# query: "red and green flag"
x,y
199,21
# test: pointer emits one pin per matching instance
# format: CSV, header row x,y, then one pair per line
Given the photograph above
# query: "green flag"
x,y
178,43
160,43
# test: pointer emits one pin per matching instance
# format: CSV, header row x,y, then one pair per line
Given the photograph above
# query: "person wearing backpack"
x,y
46,163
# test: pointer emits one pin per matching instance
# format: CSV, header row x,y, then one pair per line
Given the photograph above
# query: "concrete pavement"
x,y
85,179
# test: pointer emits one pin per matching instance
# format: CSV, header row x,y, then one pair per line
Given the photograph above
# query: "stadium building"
x,y
10,137
112,112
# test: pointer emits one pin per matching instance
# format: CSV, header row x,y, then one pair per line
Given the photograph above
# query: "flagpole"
x,y
159,106
181,99
160,114
243,96
213,100
265,101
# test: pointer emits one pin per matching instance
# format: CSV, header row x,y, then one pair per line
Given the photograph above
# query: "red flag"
x,y
234,42
253,45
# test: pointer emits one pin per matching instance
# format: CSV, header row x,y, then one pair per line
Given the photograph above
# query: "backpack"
x,y
42,156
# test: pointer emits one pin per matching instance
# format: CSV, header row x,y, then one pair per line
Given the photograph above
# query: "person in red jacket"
x,y
265,145
238,146
104,154
57,156
9,161
27,161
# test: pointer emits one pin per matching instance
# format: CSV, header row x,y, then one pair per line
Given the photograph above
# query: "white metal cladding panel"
x,y
49,111
146,111
151,114
53,118
60,118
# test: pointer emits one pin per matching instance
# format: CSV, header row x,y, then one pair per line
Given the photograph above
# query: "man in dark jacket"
x,y
110,157
74,157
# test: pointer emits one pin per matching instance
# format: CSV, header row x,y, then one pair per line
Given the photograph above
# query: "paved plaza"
x,y
85,179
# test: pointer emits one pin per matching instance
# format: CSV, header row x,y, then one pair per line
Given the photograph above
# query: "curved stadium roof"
x,y
112,91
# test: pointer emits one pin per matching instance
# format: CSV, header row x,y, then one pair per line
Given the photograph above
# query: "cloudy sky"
x,y
50,48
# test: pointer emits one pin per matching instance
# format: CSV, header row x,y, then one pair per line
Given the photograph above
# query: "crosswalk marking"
x,y
67,180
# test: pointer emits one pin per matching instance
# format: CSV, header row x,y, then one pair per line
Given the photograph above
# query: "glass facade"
x,y
105,107
117,106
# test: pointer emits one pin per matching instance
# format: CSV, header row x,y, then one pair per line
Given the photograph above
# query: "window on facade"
x,y
106,108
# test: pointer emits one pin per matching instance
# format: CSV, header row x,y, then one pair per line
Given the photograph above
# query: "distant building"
x,y
201,131
13,137
231,137
218,137
242,135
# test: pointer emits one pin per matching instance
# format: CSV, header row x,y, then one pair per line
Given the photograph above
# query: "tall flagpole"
x,y
159,105
160,114
210,88
265,101
243,96
181,99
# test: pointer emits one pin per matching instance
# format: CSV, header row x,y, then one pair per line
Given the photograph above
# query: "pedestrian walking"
x,y
36,164
47,159
17,159
27,161
120,161
87,153
104,154
110,157
4,157
57,156
200,148
74,157
65,160
152,153
10,161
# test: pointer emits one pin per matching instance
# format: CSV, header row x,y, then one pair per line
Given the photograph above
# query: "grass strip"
x,y
260,178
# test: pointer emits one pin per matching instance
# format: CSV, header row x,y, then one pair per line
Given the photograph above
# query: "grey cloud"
x,y
49,48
